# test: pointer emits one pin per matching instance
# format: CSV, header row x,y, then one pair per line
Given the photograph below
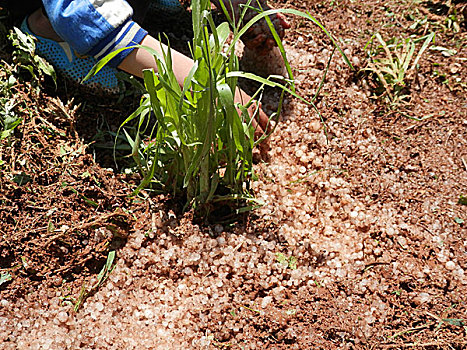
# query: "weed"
x,y
290,262
194,140
393,65
448,19
8,118
101,278
4,278
25,58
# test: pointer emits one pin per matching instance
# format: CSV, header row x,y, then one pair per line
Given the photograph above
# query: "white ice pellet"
x,y
424,297
266,301
148,314
99,306
450,265
62,316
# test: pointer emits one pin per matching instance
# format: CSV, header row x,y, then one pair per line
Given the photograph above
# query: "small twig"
x,y
70,266
250,309
410,330
86,225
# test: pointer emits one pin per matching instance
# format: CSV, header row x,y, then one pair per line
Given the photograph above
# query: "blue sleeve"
x,y
95,27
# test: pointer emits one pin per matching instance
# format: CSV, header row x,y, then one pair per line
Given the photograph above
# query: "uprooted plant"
x,y
201,142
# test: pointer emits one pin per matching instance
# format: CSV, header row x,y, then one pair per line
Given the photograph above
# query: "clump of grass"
x,y
393,65
194,140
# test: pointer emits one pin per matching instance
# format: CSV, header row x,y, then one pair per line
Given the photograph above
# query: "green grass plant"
x,y
105,272
393,65
9,120
194,140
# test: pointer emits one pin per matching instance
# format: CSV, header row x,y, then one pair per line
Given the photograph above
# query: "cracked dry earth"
x,y
360,242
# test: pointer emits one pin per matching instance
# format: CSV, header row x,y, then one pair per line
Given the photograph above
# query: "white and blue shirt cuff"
x,y
127,35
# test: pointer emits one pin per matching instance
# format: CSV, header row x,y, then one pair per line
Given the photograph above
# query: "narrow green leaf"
x,y
422,50
265,81
459,220
99,65
306,15
454,321
5,277
106,269
227,100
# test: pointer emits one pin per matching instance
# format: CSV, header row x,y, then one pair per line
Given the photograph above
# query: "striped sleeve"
x,y
128,34
95,27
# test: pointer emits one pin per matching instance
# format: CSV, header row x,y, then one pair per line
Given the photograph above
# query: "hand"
x,y
259,36
260,121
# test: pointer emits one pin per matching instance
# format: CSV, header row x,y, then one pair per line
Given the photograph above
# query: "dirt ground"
x,y
361,242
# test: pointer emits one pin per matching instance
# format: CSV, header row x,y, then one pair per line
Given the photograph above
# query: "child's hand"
x,y
259,36
260,121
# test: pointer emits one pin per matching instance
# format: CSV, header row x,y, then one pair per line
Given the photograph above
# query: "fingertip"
x,y
285,24
270,43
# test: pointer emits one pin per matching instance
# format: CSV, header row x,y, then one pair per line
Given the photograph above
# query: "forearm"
x,y
140,59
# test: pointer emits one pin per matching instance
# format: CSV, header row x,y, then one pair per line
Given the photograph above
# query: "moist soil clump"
x,y
361,241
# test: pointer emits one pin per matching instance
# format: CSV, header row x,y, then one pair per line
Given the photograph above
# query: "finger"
x,y
261,118
270,43
264,121
283,22
259,122
258,131
256,43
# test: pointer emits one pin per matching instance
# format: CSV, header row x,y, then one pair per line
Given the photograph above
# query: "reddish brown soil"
x,y
373,217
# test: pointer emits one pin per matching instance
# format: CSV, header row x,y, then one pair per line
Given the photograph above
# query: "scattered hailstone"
x,y
299,153
451,265
99,306
62,316
266,301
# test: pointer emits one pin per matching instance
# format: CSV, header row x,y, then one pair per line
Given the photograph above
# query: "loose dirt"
x,y
360,243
